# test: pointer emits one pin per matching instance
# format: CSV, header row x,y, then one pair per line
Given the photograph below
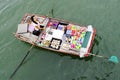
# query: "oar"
x,y
21,63
112,58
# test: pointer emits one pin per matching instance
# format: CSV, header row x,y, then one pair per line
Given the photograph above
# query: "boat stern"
x,y
87,43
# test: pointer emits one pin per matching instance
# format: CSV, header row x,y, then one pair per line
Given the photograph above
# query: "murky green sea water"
x,y
41,64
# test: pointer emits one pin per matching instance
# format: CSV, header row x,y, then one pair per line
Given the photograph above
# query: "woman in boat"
x,y
36,26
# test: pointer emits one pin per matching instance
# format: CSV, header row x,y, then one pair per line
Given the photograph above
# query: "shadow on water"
x,y
96,44
51,13
106,69
103,72
81,78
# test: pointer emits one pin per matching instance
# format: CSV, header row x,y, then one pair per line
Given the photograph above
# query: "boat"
x,y
56,34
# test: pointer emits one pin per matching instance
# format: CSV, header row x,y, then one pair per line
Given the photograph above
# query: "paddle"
x,y
112,58
21,63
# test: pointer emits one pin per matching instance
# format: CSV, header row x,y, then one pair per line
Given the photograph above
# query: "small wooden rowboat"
x,y
56,35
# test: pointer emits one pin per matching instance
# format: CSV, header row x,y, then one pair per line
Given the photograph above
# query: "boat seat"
x,y
22,28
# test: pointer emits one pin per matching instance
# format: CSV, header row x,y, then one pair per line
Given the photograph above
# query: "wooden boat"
x,y
56,35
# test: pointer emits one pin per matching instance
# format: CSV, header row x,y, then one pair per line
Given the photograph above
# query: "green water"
x,y
47,65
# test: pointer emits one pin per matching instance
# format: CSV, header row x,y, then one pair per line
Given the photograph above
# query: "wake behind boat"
x,y
56,35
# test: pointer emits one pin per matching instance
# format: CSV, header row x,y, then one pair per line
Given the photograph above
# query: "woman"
x,y
35,24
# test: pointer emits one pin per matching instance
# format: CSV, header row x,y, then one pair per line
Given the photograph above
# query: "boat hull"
x,y
74,46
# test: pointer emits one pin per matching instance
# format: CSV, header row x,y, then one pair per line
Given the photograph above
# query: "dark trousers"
x,y
37,33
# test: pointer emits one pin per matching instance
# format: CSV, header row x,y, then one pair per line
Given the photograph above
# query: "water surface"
x,y
47,65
